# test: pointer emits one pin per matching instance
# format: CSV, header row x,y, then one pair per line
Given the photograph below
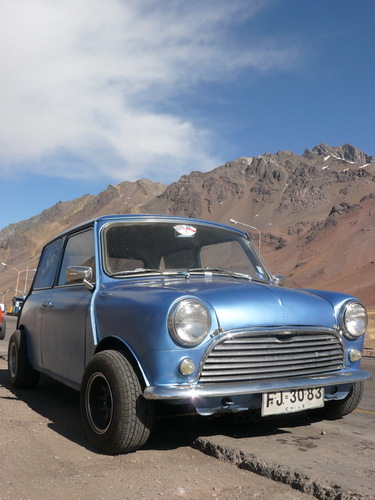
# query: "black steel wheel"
x,y
116,417
21,373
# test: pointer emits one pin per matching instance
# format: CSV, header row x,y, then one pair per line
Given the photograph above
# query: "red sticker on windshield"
x,y
184,230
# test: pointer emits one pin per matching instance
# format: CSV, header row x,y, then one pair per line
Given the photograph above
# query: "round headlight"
x,y
189,322
355,320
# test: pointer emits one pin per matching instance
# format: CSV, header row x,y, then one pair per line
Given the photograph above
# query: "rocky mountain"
x,y
315,214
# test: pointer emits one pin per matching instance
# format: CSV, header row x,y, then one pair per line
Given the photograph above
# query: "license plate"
x,y
276,403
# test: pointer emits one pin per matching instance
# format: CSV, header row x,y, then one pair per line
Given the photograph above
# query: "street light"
x,y
26,278
252,227
18,276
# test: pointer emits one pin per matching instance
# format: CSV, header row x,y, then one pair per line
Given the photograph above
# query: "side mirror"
x,y
279,280
80,274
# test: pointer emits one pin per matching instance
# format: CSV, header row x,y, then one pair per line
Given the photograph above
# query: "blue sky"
x,y
96,92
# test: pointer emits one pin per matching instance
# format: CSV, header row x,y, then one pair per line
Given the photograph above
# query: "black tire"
x,y
22,374
116,417
334,410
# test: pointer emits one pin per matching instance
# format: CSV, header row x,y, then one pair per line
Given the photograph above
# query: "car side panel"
x,y
30,321
63,331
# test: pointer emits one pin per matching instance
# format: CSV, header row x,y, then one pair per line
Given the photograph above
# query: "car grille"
x,y
248,356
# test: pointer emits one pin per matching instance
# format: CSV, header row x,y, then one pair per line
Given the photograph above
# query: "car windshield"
x,y
173,248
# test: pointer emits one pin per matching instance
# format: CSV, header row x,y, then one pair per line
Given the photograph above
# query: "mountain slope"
x,y
315,213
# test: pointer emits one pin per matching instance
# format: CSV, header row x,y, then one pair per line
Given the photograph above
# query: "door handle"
x,y
47,305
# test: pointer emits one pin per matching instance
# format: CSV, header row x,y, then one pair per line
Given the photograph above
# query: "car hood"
x,y
242,304
236,303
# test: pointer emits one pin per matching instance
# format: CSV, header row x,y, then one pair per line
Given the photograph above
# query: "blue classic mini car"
x,y
134,309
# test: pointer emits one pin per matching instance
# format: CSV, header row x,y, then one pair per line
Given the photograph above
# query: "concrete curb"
x,y
280,473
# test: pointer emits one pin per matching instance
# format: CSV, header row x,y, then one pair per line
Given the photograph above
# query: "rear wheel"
x,y
22,374
116,417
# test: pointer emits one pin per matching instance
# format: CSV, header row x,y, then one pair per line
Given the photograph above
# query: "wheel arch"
x,y
22,328
116,344
22,374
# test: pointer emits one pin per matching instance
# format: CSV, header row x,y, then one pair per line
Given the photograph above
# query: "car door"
x,y
66,313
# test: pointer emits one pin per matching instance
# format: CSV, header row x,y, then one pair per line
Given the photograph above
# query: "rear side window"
x,y
79,251
49,260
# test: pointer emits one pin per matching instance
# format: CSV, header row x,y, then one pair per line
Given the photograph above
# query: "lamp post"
x,y
18,271
252,227
18,276
26,278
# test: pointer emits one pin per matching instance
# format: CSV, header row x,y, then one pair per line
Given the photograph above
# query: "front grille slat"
x,y
267,376
279,351
236,369
228,365
243,346
253,356
276,338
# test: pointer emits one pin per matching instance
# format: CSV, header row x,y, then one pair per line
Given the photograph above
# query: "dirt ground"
x,y
44,455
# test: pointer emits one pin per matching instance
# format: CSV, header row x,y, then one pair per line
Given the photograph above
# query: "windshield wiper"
x,y
138,270
186,274
142,270
220,270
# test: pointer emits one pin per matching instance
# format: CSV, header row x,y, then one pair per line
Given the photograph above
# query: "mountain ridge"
x,y
315,214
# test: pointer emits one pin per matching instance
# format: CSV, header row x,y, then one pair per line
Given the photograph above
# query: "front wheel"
x,y
22,374
116,417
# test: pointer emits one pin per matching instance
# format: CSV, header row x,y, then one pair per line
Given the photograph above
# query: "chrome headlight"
x,y
354,320
189,322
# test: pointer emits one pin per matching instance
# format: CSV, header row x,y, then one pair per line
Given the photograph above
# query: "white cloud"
x,y
83,83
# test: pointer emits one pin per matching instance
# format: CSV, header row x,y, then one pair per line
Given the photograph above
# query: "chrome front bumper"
x,y
192,391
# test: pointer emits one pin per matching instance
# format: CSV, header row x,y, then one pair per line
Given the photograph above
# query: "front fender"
x,y
118,344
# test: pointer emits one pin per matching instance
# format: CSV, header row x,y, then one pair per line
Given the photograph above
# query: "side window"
x,y
49,260
79,251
